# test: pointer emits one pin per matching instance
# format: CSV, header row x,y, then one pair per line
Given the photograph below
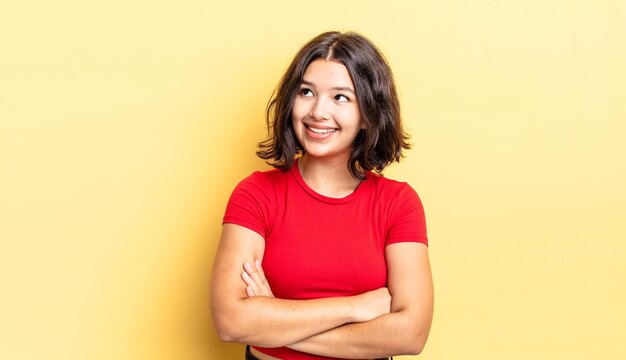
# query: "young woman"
x,y
323,257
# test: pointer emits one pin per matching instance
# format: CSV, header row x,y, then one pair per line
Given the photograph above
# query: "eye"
x,y
341,98
306,92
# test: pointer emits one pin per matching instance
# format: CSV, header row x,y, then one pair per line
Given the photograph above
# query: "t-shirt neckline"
x,y
295,170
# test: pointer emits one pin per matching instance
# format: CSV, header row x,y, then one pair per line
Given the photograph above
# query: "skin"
x,y
271,322
402,331
327,100
386,321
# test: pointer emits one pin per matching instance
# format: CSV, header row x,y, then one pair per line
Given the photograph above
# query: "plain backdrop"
x,y
125,125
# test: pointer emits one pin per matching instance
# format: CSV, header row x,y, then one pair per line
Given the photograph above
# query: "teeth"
x,y
322,131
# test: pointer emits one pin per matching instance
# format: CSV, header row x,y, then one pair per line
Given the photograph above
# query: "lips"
x,y
318,130
319,133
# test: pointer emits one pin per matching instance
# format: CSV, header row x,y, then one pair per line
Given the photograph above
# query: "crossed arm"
x,y
377,323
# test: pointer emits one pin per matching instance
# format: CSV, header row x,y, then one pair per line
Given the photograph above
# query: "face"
x,y
325,114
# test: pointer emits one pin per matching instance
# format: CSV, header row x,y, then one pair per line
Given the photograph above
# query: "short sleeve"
x,y
250,204
407,221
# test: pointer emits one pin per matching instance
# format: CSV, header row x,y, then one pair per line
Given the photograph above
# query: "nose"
x,y
320,109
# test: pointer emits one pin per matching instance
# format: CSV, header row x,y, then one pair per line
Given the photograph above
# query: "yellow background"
x,y
124,125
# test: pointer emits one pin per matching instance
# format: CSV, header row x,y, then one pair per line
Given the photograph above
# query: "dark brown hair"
x,y
382,139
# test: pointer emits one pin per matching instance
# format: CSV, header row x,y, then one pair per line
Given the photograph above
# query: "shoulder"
x,y
252,203
405,211
262,186
263,176
261,180
390,189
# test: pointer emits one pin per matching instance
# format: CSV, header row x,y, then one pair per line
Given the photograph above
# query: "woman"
x,y
322,257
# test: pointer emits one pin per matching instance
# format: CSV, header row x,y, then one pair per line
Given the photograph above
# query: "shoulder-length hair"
x,y
382,139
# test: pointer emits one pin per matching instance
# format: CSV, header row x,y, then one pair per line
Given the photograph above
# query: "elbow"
x,y
224,322
230,326
228,332
415,342
413,347
224,331
415,335
225,336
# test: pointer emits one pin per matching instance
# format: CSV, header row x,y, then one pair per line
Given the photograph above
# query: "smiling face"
x,y
325,113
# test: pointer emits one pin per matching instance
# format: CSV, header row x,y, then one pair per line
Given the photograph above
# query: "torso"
x,y
317,246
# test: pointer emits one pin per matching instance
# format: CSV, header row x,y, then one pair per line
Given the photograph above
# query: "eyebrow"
x,y
340,88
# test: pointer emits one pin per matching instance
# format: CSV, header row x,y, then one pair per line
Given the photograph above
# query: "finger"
x,y
251,271
250,282
249,291
247,279
257,279
259,269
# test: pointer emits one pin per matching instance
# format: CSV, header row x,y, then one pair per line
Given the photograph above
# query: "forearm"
x,y
402,331
272,322
247,311
391,334
264,320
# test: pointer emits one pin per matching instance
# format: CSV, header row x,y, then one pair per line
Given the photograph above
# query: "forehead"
x,y
327,72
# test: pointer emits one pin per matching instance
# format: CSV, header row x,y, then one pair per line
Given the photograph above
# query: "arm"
x,y
267,321
404,330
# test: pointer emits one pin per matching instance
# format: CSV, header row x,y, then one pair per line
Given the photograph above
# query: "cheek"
x,y
298,110
350,117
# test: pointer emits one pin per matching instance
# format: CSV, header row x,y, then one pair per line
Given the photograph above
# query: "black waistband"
x,y
249,355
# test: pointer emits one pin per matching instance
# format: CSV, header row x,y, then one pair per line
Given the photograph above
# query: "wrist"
x,y
356,309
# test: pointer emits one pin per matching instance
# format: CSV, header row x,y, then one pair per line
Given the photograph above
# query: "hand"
x,y
372,304
256,283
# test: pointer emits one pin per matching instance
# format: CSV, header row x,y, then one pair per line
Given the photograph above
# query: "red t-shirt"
x,y
317,246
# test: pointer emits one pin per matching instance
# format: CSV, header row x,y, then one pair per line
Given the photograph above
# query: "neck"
x,y
328,178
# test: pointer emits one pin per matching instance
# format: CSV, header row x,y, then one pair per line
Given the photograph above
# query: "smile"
x,y
321,131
